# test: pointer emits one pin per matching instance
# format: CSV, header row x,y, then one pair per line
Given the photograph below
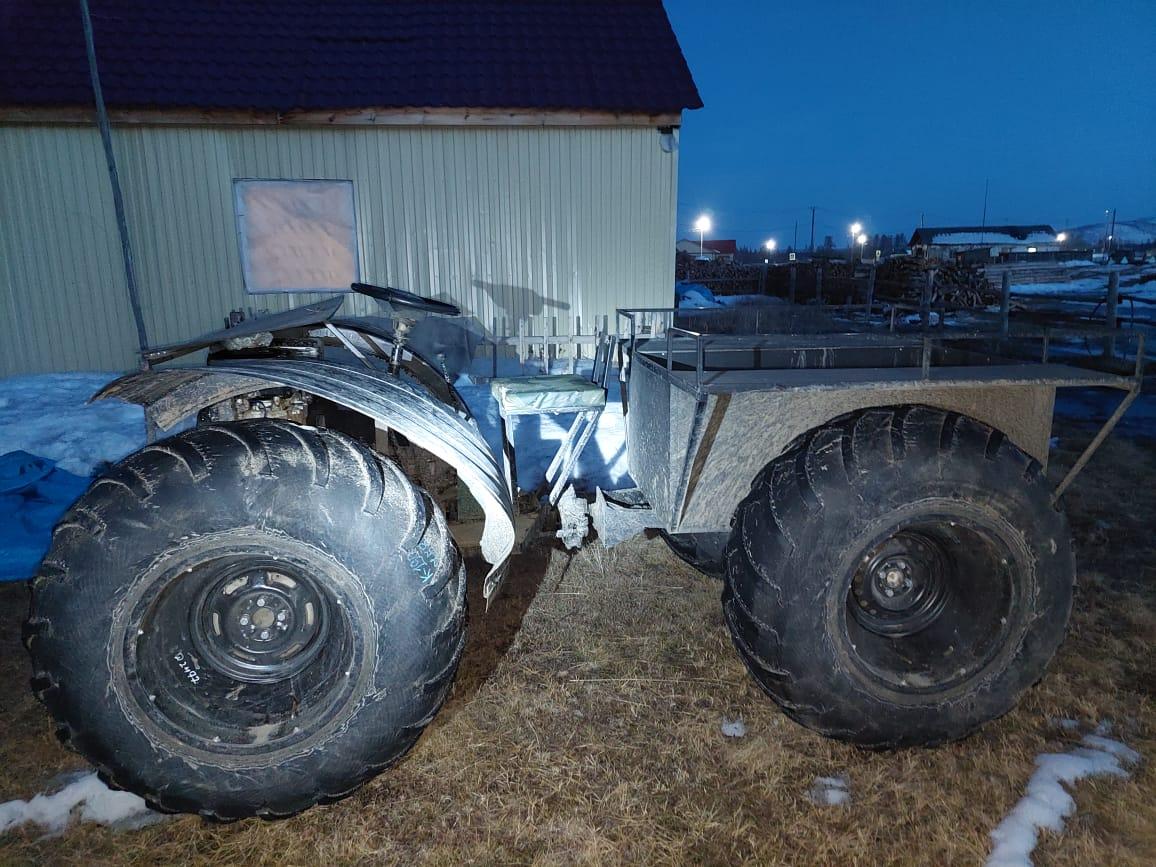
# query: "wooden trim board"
x,y
345,117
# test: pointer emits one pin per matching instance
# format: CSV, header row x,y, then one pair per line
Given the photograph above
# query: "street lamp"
x,y
770,245
856,228
862,239
1060,238
702,226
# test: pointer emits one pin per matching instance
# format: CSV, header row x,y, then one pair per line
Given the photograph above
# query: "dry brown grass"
x,y
584,729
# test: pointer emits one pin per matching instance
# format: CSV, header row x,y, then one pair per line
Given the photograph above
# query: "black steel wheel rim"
x,y
954,604
210,681
261,623
901,587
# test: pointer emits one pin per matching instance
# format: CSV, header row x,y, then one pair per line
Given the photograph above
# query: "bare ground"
x,y
585,728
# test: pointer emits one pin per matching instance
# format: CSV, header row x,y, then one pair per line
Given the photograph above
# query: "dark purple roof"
x,y
282,55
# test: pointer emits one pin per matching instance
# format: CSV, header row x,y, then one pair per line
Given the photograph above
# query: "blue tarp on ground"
x,y
34,493
694,295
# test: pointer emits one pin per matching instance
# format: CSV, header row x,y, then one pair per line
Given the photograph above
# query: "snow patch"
x,y
993,239
830,791
49,415
1046,803
734,728
1137,282
917,318
85,799
695,296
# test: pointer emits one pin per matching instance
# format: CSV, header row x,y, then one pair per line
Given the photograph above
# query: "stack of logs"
x,y
899,279
956,286
902,280
723,278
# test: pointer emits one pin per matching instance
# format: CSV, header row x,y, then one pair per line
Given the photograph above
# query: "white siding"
x,y
515,224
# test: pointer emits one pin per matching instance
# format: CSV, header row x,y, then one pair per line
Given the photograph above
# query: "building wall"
x,y
518,225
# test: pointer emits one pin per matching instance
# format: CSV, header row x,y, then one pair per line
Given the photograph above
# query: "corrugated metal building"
x,y
519,159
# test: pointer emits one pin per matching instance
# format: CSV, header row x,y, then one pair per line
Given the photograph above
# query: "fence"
x,y
571,339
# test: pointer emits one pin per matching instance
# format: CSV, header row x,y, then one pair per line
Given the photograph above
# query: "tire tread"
x,y
774,533
283,454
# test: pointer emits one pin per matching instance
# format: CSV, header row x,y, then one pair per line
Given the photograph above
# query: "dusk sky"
x,y
879,111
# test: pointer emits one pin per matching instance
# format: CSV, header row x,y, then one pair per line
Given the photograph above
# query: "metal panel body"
x,y
514,224
696,481
170,395
650,448
759,426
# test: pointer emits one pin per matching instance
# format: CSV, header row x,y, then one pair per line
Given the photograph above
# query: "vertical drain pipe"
x,y
117,198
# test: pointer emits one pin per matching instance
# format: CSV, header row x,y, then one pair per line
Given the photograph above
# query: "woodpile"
x,y
900,279
722,278
955,286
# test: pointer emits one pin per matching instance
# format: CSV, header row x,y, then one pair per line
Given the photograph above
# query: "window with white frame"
x,y
296,236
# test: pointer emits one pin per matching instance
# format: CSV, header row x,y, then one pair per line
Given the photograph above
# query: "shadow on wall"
x,y
514,306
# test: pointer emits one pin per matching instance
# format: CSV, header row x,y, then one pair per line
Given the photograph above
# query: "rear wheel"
x,y
703,551
246,619
899,576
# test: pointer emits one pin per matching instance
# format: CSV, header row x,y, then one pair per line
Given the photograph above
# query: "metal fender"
x,y
170,395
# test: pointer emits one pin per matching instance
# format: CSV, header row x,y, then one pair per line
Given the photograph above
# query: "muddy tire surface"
x,y
898,577
247,619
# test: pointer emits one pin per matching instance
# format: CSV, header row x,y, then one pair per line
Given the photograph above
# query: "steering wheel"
x,y
401,298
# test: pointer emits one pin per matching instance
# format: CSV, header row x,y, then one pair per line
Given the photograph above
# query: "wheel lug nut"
x,y
260,601
264,633
245,621
280,615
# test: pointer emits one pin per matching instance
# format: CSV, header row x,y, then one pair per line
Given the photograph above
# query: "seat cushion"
x,y
541,395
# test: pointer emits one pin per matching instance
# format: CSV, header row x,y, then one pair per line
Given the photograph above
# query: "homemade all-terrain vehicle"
x,y
265,609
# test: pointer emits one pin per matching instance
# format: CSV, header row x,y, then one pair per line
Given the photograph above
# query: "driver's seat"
x,y
560,394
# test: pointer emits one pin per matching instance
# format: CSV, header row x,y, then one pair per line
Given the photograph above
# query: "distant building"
x,y
713,249
985,243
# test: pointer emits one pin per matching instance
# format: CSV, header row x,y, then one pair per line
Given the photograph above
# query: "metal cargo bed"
x,y
707,411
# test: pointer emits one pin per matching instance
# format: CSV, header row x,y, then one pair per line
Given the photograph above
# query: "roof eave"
x,y
368,116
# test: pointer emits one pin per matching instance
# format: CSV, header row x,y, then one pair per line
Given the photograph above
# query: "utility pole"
x,y
812,247
795,243
1112,231
983,224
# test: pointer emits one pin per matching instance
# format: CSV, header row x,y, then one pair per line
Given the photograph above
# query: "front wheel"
x,y
246,619
898,577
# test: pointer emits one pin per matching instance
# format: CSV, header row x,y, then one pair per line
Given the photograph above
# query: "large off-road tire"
x,y
247,618
943,512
